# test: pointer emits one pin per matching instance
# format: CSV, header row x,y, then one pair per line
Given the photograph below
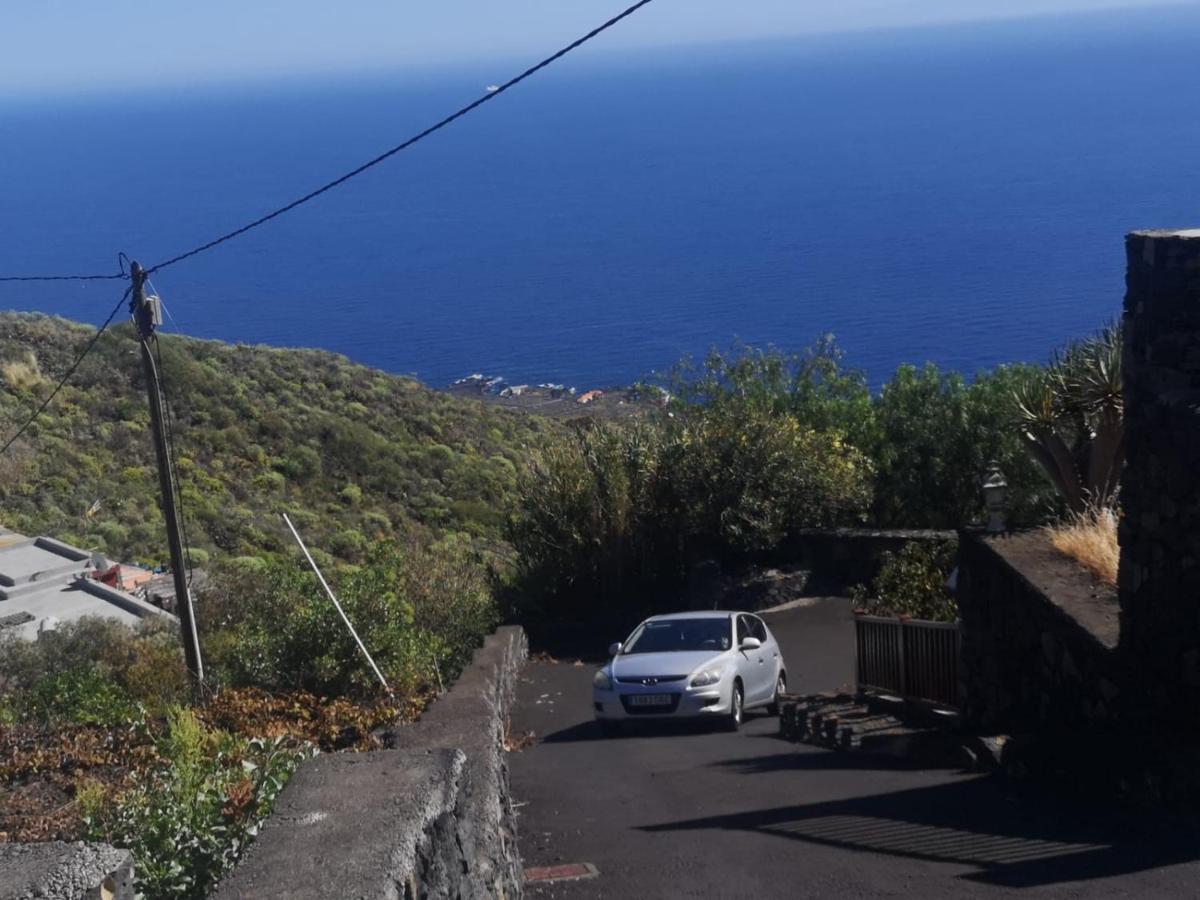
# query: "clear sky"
x,y
51,46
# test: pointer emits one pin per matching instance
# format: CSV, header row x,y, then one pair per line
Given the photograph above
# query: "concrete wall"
x,y
1160,484
1039,638
62,871
432,818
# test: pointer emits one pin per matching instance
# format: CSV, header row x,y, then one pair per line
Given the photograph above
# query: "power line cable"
x,y
490,95
122,275
119,276
71,371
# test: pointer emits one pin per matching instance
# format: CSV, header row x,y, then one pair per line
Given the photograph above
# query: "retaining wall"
x,y
432,818
1039,638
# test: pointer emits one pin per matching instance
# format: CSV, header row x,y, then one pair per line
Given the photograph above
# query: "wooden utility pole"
x,y
147,315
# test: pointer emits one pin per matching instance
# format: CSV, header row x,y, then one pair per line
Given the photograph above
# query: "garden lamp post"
x,y
995,499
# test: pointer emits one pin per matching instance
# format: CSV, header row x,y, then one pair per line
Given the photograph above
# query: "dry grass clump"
x,y
1089,538
21,374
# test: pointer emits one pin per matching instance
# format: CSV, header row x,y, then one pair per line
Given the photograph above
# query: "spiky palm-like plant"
x,y
1071,418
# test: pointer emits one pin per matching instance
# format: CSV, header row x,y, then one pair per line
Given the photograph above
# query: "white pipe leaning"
x,y
338,606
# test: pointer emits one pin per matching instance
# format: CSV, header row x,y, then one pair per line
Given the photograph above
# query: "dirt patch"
x,y
41,769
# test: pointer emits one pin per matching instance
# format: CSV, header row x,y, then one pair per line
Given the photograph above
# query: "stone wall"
x,y
432,818
1160,484
1039,638
811,562
839,558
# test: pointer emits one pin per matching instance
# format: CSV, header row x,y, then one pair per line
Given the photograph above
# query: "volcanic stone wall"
x,y
1160,485
430,819
1039,638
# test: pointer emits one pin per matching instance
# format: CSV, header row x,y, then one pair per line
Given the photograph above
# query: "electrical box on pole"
x,y
147,315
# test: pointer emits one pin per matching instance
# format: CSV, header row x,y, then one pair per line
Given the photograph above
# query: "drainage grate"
x,y
567,872
12,620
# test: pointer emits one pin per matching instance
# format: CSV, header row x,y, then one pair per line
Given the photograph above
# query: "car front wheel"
x,y
734,720
780,687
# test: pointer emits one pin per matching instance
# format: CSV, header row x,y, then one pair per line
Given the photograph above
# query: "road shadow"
x,y
1013,838
818,760
587,641
627,730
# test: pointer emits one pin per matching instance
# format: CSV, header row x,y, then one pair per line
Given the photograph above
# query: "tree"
x,y
743,478
1071,419
611,516
813,386
936,435
590,530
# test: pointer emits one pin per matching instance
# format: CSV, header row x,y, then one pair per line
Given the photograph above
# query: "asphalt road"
x,y
681,812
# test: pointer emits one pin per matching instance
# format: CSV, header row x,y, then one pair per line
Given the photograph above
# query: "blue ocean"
x,y
955,194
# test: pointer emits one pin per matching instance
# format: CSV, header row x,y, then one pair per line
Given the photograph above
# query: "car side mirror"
x,y
751,643
614,649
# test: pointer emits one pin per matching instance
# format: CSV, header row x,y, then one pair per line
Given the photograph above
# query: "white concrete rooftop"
x,y
44,582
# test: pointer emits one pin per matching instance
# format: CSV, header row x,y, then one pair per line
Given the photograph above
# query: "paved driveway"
x,y
687,813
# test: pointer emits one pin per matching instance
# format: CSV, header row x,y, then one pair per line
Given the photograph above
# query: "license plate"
x,y
650,700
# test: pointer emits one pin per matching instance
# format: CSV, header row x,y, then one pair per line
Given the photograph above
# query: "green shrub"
x,y
82,662
189,819
610,518
934,439
269,481
811,386
348,544
743,478
913,583
23,663
419,609
756,445
589,532
81,694
379,523
451,595
930,435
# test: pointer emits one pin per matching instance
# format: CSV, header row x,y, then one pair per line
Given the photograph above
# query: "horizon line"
x,y
265,78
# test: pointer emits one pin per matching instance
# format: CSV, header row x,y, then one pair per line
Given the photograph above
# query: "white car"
x,y
712,665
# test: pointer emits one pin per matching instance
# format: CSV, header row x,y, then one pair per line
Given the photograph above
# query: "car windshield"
x,y
666,635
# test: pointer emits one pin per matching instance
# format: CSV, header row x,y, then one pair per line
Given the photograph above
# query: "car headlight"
x,y
602,681
705,678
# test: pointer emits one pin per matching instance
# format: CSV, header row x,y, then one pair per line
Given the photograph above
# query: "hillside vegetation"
x,y
350,453
754,444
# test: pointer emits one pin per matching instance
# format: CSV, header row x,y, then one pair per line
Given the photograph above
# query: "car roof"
x,y
700,614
